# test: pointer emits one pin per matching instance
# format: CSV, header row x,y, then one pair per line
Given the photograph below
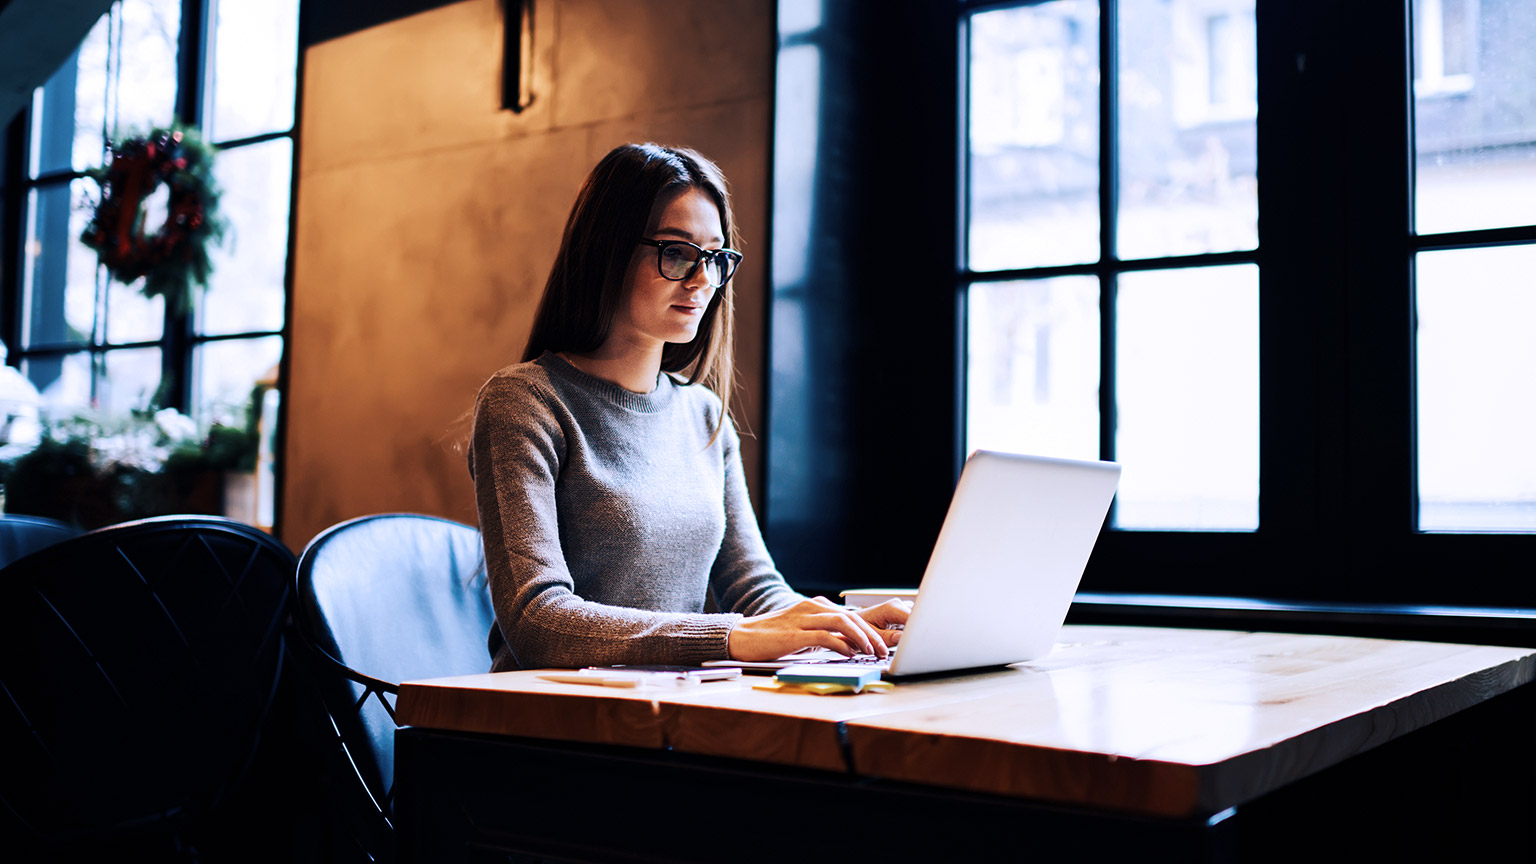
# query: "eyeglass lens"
x,y
677,261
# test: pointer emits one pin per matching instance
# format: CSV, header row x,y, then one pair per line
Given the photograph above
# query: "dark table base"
x,y
1462,789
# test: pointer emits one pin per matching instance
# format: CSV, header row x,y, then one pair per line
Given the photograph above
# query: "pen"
x,y
597,680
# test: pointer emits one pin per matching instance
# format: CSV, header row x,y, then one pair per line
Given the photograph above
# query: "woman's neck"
x,y
632,367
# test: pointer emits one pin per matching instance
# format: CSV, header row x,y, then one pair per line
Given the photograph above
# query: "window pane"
x,y
1476,390
68,109
1187,381
1474,114
132,317
90,108
63,382
1032,367
227,371
144,85
797,130
125,380
59,276
121,80
245,292
131,381
1034,136
1188,137
254,56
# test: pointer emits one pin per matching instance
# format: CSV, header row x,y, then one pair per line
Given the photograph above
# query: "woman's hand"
x,y
888,618
818,623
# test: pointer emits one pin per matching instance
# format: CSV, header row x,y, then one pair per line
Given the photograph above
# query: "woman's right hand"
x,y
813,623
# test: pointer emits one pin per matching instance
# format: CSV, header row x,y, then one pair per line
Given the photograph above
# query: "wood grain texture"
x,y
1162,722
1183,723
794,728
518,703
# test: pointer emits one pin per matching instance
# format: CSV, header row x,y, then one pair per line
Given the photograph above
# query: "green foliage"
x,y
225,449
92,472
50,460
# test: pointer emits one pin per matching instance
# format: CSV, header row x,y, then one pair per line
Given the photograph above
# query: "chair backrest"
x,y
384,599
139,661
20,536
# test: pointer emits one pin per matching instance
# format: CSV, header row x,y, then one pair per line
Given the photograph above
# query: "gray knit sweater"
x,y
607,515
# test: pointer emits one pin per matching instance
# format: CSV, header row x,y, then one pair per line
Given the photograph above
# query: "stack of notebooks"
x,y
822,678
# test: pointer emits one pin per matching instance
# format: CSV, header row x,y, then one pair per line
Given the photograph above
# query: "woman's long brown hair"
x,y
610,216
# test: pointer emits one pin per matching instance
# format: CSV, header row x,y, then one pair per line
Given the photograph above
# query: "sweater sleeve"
x,y
743,577
516,451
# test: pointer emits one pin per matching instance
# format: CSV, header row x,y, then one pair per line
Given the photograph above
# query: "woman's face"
x,y
656,310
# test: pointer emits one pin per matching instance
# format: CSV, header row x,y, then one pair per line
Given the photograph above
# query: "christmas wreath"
x,y
175,256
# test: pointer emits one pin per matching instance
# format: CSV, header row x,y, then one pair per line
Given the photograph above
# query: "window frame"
x,y
1338,499
1110,265
180,338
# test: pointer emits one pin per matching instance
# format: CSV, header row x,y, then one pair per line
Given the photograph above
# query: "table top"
x,y
1163,722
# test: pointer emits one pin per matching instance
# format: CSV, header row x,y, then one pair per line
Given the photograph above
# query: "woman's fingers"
x,y
861,638
877,639
814,622
887,619
831,640
874,639
887,613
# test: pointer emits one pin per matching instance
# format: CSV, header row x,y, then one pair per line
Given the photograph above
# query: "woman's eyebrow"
x,y
688,235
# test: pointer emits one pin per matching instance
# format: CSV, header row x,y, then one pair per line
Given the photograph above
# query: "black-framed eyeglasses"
x,y
677,260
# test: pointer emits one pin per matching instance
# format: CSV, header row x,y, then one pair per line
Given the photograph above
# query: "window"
x,y
1332,401
226,67
1474,184
1113,290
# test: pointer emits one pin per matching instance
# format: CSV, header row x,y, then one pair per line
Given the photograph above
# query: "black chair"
x,y
20,536
379,600
139,662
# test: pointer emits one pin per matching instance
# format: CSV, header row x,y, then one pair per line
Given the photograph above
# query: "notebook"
x,y
1006,565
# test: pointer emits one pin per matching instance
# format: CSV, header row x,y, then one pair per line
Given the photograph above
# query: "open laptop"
x,y
1006,565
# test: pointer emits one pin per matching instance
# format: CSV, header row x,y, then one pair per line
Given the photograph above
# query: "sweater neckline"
x,y
645,403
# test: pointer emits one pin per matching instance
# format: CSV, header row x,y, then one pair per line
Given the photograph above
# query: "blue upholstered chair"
x,y
22,535
379,600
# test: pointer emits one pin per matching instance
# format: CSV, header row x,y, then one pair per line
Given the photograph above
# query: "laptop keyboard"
x,y
855,660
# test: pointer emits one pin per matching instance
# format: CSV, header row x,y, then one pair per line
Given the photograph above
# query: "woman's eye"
x,y
674,253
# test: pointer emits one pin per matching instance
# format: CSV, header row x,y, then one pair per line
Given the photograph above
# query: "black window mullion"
x,y
250,139
191,67
1302,400
1377,150
1108,226
964,280
13,232
191,62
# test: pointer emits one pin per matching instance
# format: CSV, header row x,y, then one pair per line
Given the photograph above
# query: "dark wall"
x,y
862,441
322,20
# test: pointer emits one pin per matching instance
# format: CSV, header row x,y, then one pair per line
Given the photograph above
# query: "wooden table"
x,y
1167,730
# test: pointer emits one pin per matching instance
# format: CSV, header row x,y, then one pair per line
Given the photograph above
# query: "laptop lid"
x,y
1007,562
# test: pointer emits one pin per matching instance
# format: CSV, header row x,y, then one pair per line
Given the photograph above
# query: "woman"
x,y
607,472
